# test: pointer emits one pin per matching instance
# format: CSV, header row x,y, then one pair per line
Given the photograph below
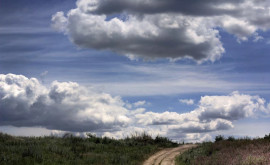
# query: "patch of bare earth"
x,y
167,156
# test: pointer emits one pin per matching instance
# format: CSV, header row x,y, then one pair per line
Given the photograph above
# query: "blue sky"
x,y
30,46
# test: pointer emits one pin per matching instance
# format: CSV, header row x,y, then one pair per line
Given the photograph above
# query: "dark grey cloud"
x,y
195,7
168,44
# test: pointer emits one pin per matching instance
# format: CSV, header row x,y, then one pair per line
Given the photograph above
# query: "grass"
x,y
76,150
244,151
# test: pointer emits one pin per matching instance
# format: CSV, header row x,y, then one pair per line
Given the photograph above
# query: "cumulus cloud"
x,y
187,101
154,36
63,106
232,107
162,29
67,106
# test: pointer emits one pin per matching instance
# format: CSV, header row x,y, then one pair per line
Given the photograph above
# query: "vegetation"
x,y
244,151
76,150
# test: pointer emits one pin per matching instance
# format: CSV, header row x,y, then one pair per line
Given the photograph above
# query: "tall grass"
x,y
230,151
70,149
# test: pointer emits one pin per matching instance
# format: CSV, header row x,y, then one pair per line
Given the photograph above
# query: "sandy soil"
x,y
167,156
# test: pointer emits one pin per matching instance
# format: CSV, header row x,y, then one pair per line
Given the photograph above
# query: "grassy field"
x,y
75,150
230,151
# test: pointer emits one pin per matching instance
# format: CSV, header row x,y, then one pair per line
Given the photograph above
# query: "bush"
x,y
67,135
231,138
267,137
5,137
219,138
90,135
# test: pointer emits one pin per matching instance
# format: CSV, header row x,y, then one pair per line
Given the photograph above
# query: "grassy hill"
x,y
230,151
76,150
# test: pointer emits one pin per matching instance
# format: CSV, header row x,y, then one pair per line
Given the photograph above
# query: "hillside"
x,y
244,151
76,150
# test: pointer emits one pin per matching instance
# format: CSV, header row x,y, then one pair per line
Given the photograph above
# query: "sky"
x,y
188,70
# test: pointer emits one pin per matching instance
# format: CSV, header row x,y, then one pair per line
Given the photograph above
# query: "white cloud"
x,y
257,37
232,107
240,28
187,101
60,22
136,104
67,106
165,118
44,73
153,29
139,103
196,137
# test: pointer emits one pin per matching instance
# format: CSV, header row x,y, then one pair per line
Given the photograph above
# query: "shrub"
x,y
67,135
106,140
5,137
267,137
219,138
90,135
231,138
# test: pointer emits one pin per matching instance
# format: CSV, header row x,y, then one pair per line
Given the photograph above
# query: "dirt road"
x,y
167,156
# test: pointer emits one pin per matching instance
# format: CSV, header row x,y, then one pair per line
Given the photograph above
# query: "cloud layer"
x,y
67,106
162,29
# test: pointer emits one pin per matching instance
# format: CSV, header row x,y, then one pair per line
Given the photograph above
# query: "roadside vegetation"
x,y
76,150
224,151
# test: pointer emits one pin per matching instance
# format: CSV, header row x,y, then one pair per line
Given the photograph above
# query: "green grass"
x,y
244,151
75,150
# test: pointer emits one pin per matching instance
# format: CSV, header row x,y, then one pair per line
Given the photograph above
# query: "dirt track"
x,y
167,156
